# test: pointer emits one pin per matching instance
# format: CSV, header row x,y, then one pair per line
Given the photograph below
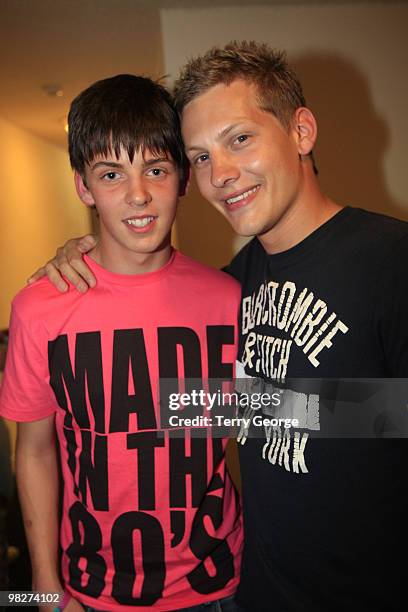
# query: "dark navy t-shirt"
x,y
325,518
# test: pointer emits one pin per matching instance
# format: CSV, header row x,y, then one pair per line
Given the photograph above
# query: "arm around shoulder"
x,y
68,264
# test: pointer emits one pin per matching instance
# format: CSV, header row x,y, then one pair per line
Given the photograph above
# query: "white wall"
x,y
352,61
39,208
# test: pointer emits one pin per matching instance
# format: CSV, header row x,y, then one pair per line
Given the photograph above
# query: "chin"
x,y
245,223
247,229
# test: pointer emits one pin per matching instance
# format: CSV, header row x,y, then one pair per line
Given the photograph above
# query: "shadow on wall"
x,y
352,138
352,142
203,233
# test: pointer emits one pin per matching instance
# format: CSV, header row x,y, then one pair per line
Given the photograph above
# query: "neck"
x,y
130,262
308,211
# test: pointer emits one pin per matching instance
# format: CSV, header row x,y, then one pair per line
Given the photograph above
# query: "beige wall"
x,y
39,209
352,61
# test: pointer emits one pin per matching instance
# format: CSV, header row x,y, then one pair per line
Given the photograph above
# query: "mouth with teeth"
x,y
140,224
239,200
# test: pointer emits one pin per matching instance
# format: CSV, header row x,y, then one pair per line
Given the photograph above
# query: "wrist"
x,y
47,583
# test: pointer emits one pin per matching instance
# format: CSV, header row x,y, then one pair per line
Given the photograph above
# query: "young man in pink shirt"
x,y
150,520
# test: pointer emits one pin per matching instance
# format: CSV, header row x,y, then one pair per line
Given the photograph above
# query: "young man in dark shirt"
x,y
325,296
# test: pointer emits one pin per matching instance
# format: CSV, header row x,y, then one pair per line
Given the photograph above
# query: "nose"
x,y
137,193
224,170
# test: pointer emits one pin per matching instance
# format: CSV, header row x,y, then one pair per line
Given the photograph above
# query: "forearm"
x,y
37,480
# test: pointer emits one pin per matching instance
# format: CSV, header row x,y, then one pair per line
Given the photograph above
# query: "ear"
x,y
184,186
82,190
305,129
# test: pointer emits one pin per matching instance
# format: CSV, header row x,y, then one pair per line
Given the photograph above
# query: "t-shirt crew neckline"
x,y
130,280
312,241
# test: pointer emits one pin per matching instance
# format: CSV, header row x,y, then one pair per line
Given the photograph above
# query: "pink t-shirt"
x,y
150,519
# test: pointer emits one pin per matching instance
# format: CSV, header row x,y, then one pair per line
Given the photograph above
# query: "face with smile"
x,y
246,163
137,203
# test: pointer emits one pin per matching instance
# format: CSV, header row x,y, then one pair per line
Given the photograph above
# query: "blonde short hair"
x,y
279,91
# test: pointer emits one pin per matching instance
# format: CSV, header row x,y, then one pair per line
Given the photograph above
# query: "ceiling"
x,y
71,43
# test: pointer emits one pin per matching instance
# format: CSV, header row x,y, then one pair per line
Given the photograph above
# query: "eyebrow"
x,y
229,129
110,164
157,160
221,135
147,162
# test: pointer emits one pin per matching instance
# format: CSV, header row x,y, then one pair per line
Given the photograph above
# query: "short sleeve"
x,y
25,393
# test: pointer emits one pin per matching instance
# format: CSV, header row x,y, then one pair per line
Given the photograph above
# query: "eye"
x,y
241,138
201,159
110,176
156,172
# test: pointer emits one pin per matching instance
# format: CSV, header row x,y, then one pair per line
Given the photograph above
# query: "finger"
x,y
61,254
36,276
55,277
78,245
76,278
87,243
80,267
74,246
69,256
